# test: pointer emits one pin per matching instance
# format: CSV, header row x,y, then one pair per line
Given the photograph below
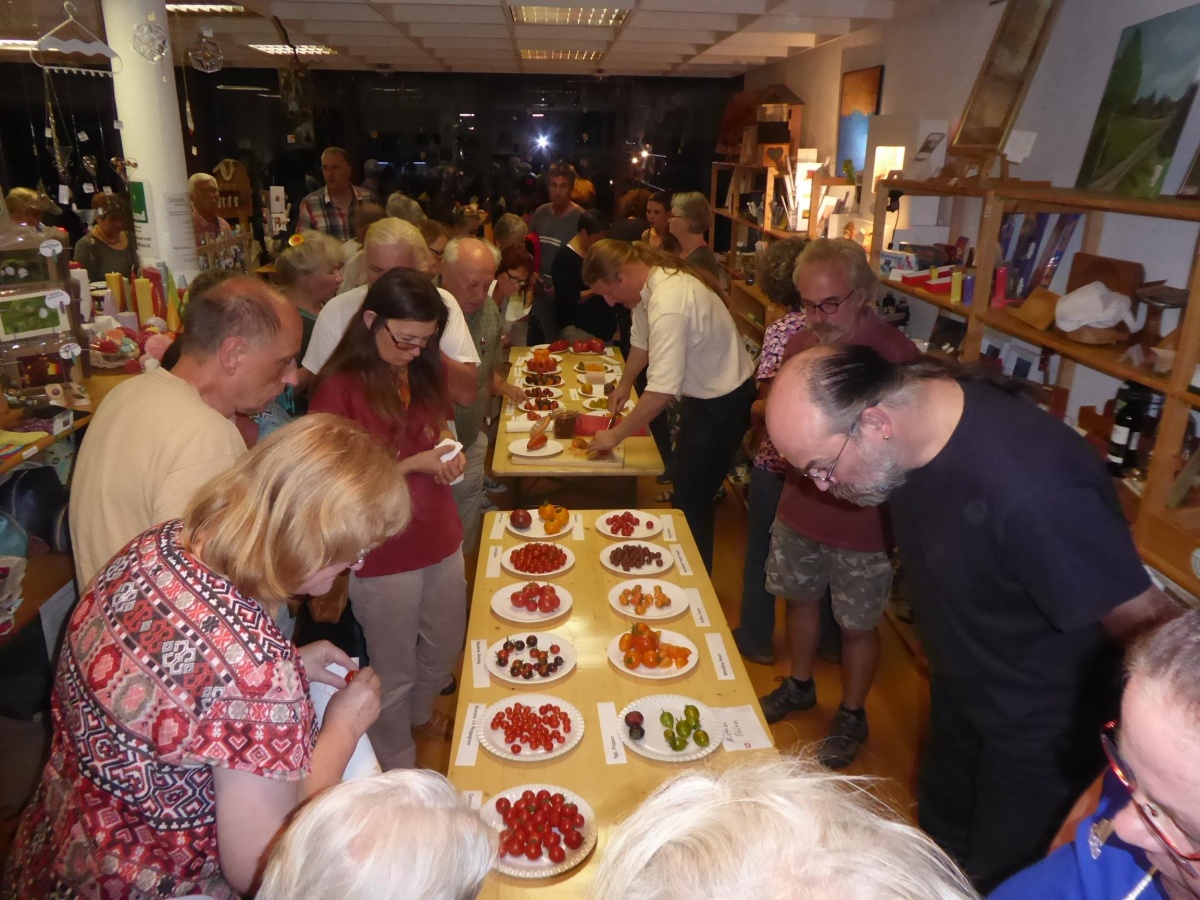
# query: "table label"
x,y
577,525
474,799
614,750
468,748
699,613
668,527
493,564
716,646
479,672
608,351
498,526
681,560
574,393
743,731
29,451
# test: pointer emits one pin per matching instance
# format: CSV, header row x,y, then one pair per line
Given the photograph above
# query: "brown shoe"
x,y
440,726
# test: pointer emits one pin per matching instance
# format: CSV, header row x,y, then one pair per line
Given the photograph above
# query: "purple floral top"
x,y
775,339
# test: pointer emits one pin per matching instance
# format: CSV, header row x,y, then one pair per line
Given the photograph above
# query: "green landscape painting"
x,y
1145,105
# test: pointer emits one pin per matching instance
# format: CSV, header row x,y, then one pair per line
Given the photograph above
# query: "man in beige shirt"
x,y
158,437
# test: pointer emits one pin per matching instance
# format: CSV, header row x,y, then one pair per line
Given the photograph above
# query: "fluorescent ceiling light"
x,y
16,44
568,15
241,87
301,49
577,55
205,9
536,115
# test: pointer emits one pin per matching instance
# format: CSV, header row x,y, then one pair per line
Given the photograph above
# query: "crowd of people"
x,y
186,759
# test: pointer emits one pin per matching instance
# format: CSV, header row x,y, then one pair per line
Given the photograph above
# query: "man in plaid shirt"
x,y
331,209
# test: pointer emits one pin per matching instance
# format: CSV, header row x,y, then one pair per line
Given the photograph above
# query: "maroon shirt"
x,y
817,514
435,531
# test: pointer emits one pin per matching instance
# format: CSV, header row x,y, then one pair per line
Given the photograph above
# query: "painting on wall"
x,y
861,92
1146,102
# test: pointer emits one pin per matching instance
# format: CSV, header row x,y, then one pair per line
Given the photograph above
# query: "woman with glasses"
x,y
410,594
689,219
510,291
184,735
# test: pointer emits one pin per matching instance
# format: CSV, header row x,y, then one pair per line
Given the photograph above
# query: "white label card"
x,y
668,527
614,750
716,646
574,393
89,188
82,135
108,190
498,526
69,350
474,799
743,730
696,604
577,526
479,672
118,124
57,299
681,559
50,247
493,563
29,451
468,748
64,194
608,351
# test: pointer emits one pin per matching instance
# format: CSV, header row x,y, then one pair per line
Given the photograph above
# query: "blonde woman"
x,y
183,730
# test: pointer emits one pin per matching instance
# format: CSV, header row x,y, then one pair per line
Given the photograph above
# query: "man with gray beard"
x,y
1024,575
820,541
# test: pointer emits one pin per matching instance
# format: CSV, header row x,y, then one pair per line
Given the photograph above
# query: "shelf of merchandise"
x,y
1166,538
750,223
941,301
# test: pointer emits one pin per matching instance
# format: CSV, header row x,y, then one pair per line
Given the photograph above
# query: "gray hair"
x,y
775,268
390,231
509,225
782,828
244,307
316,251
693,208
454,248
401,206
1171,654
845,252
405,833
200,178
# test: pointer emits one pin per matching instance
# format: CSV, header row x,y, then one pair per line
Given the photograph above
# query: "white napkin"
x,y
1094,305
363,762
453,449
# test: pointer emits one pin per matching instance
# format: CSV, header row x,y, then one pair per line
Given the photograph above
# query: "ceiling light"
x,y
536,115
301,49
466,115
16,44
205,9
542,142
241,87
568,15
578,55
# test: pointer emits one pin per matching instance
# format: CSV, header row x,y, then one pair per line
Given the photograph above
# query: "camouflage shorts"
x,y
799,569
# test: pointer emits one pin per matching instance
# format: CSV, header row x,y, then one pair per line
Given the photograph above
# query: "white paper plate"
x,y
506,562
523,408
641,531
609,378
502,605
493,741
520,867
579,369
545,639
671,637
555,393
585,395
649,571
527,383
557,357
653,745
536,531
678,596
521,448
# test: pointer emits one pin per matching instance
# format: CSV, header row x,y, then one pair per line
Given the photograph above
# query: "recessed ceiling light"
x,y
568,15
579,55
241,87
301,49
205,9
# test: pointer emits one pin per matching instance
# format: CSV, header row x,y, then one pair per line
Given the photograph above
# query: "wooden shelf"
x,y
942,301
1047,199
753,291
32,450
1190,397
759,326
726,214
1170,538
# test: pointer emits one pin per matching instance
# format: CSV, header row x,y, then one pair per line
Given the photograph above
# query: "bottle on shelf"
x,y
1126,430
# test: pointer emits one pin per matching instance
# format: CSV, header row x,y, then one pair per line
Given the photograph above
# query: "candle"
x,y
116,287
1000,292
956,286
145,299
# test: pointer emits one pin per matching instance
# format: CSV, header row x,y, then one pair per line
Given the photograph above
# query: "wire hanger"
x,y
73,44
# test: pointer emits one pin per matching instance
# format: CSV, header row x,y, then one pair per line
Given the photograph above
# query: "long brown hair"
x,y
398,294
605,259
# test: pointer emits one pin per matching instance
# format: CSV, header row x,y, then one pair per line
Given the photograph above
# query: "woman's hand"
x,y
448,471
320,654
512,392
355,708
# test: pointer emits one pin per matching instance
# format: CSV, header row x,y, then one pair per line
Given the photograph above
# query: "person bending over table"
x,y
183,730
411,594
685,337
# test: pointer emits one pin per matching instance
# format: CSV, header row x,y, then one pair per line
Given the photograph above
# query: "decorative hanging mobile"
x,y
123,167
205,53
89,166
71,36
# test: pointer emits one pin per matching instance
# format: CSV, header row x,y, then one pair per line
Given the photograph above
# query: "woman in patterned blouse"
x,y
183,730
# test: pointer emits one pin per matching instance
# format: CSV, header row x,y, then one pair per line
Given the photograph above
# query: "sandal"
x,y
440,726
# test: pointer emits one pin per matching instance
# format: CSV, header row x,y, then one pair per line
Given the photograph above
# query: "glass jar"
x,y
564,423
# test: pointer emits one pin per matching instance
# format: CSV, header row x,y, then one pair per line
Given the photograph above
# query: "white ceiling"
x,y
658,37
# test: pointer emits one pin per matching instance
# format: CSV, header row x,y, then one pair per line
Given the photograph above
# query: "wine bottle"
x,y
1126,430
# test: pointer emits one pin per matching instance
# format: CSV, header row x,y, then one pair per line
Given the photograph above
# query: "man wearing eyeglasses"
x,y
819,541
1143,840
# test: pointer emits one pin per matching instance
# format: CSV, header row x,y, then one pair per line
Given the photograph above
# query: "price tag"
x,y
29,451
118,124
574,393
668,527
70,350
681,560
479,672
49,132
493,563
498,526
474,799
108,190
50,247
743,730
468,747
610,731
82,135
716,646
64,194
608,351
89,188
696,604
577,526
58,299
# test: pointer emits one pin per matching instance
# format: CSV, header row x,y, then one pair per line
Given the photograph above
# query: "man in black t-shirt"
x,y
580,312
1024,574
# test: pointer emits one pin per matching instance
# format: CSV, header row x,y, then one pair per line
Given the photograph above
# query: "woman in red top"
x,y
410,596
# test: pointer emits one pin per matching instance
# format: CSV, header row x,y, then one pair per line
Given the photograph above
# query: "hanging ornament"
x,y
150,41
123,167
206,55
89,166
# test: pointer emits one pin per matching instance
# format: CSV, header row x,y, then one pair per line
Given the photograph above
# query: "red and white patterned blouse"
x,y
166,671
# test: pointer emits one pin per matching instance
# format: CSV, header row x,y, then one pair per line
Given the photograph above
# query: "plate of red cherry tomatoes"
x,y
567,836
537,558
531,602
531,728
629,523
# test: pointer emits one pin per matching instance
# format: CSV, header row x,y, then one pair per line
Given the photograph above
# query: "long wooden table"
x,y
613,790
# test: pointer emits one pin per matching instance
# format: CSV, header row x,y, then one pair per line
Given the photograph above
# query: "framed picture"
x,y
27,315
1005,77
862,90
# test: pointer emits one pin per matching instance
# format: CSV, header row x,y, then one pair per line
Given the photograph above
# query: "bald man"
x,y
156,438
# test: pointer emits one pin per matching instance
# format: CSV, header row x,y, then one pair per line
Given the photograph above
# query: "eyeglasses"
x,y
829,307
1161,825
519,282
405,340
826,475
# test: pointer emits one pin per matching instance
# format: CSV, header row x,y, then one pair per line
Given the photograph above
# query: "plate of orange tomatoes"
x,y
646,653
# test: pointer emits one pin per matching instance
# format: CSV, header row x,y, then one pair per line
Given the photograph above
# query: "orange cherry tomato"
x,y
650,659
626,642
640,643
631,660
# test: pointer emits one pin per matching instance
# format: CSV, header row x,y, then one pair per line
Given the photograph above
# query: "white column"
x,y
151,133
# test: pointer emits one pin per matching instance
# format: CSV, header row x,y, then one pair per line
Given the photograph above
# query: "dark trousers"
x,y
709,434
993,795
756,625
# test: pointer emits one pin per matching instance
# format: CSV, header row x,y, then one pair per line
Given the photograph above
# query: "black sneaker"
x,y
846,737
787,698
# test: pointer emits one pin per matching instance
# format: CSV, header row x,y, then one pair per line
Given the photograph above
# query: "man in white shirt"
x,y
396,244
684,333
158,437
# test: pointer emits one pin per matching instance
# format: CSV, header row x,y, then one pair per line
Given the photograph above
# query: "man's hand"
x,y
512,392
604,441
617,399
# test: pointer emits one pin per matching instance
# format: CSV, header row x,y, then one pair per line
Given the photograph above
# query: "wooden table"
x,y
612,790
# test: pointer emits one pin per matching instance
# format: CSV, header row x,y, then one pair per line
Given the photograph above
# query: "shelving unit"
x,y
1168,539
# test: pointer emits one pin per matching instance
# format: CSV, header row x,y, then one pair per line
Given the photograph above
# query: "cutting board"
x,y
1120,275
572,458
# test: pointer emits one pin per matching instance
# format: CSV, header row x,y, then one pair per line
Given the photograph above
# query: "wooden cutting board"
x,y
1120,275
571,458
